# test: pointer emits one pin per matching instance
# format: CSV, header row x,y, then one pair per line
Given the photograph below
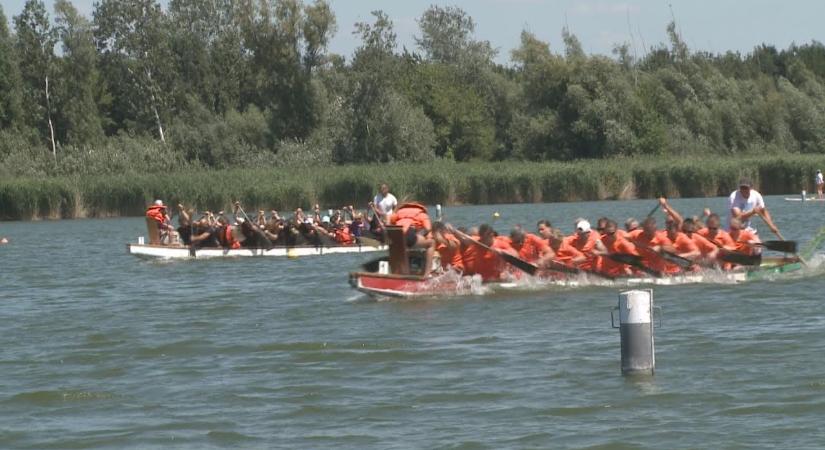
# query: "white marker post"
x,y
636,330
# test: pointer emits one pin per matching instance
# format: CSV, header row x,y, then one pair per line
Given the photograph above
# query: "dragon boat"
x,y
398,278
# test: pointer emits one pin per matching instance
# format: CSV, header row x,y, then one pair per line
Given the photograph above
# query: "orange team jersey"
x,y
722,238
650,258
478,260
619,245
411,215
450,256
585,246
157,213
741,241
705,246
684,244
567,253
532,249
632,235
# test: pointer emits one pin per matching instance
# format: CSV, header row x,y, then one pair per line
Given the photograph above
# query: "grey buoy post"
x,y
636,330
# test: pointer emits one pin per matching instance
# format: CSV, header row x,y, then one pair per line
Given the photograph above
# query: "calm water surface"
x,y
101,349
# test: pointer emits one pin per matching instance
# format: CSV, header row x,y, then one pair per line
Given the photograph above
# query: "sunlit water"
x,y
102,349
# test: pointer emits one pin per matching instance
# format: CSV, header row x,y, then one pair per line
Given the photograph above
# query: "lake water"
x,y
102,349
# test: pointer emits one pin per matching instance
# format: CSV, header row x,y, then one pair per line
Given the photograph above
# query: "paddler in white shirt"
x,y
746,202
384,203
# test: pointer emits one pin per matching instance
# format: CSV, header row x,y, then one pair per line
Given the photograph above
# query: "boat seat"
x,y
153,231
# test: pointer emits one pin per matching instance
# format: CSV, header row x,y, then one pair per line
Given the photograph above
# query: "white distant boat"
x,y
173,252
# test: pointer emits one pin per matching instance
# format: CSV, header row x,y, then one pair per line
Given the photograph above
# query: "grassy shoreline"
x,y
439,182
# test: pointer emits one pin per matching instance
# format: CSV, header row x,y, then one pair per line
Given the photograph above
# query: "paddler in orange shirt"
x,y
563,252
448,247
478,260
707,249
715,234
586,241
614,242
743,239
528,246
649,242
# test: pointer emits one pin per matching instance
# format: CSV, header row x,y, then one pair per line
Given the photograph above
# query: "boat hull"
x,y
168,252
403,286
406,286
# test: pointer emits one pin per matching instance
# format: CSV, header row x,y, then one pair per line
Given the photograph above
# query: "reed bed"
x,y
438,182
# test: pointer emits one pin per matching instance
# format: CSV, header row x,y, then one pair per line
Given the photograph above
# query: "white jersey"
x,y
385,205
819,179
736,200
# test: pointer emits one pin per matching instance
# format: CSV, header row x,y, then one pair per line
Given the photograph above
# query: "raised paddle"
x,y
655,208
523,265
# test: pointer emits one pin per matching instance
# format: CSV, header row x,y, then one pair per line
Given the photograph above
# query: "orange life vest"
x,y
157,213
412,215
343,237
229,241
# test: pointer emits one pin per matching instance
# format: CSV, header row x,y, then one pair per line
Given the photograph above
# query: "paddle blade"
x,y
626,258
741,259
677,260
781,246
520,263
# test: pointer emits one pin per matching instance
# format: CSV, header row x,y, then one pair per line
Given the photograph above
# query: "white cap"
x,y
158,202
308,220
241,220
325,219
583,226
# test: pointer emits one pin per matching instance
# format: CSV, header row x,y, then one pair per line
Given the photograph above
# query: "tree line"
x,y
250,83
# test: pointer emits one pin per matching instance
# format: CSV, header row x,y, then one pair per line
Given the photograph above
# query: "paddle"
x,y
555,266
655,208
635,261
779,246
740,258
766,216
671,257
255,228
521,264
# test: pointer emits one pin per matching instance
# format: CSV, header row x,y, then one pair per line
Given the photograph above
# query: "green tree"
x,y
281,73
446,37
80,118
35,46
384,125
10,82
133,37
